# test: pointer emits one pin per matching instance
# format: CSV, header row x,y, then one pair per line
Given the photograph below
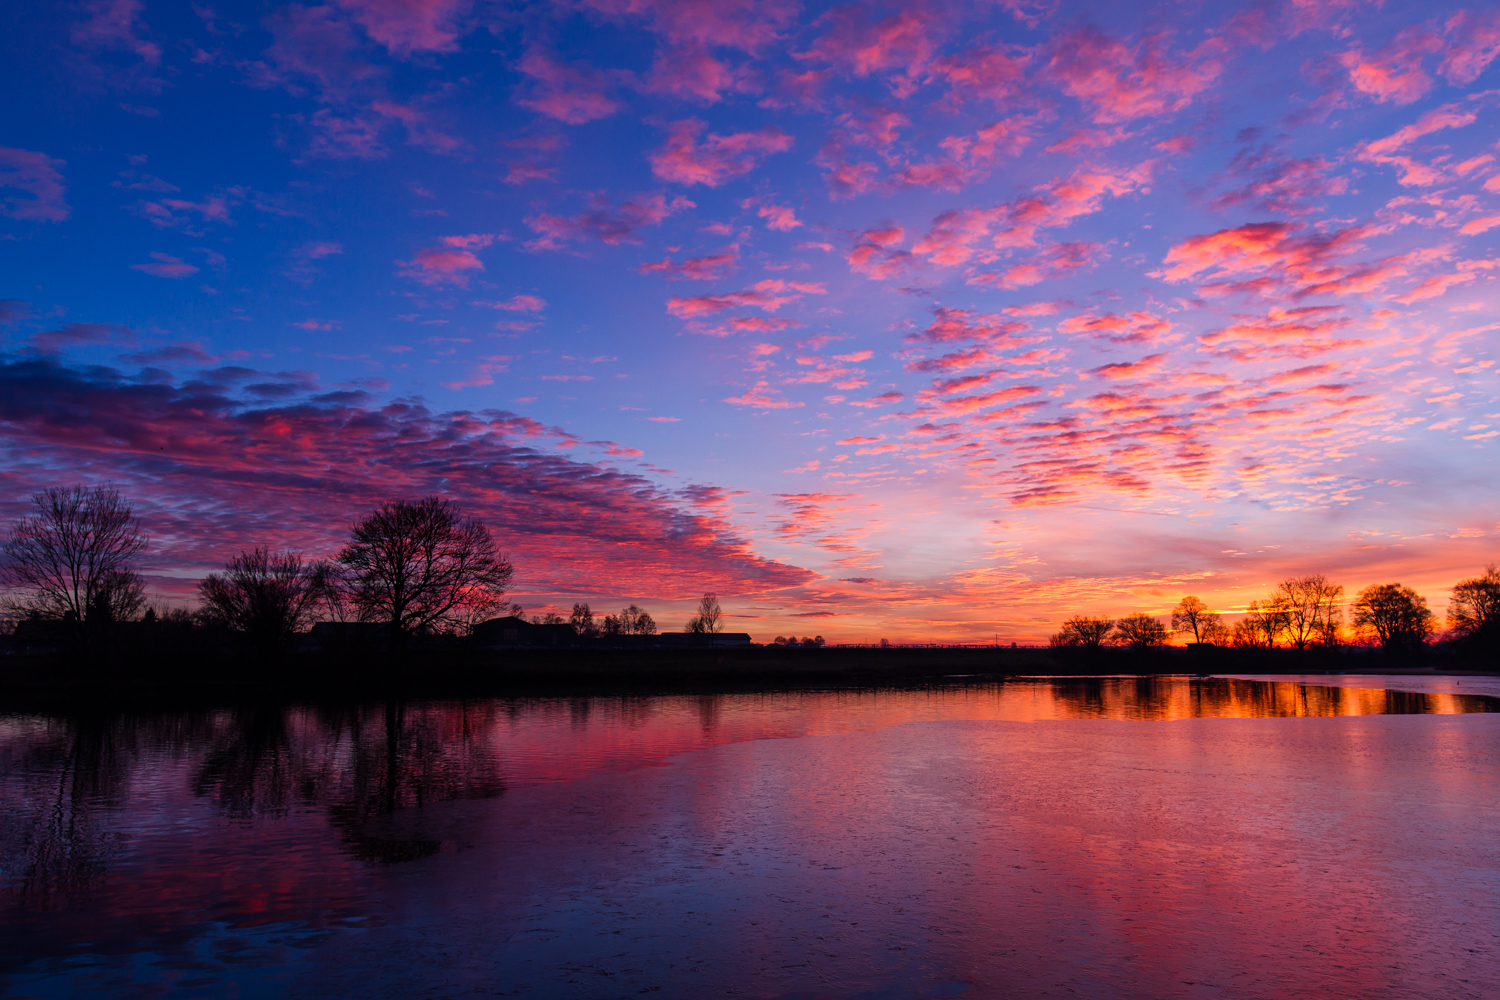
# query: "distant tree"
x,y
582,621
1083,632
424,567
550,618
71,559
1192,615
707,618
611,626
813,641
1216,632
633,621
1141,631
266,596
1395,615
1262,625
1474,609
1310,606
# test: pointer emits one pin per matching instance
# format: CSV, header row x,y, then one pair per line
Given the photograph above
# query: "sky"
x,y
924,321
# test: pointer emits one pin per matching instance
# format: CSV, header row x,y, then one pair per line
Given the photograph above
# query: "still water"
x,y
1101,838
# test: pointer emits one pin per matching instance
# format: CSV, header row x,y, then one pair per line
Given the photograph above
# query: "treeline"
x,y
1309,611
407,569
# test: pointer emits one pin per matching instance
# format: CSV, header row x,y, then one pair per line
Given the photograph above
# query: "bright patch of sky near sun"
x,y
924,321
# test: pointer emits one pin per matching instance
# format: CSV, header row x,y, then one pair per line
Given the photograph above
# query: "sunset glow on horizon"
x,y
930,322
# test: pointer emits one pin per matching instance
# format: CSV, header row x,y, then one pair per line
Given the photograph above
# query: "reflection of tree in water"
x,y
365,765
1165,697
57,782
408,758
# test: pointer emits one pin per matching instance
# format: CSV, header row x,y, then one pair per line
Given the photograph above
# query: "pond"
x,y
1118,837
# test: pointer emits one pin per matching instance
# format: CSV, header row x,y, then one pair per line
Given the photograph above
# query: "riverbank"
x,y
142,678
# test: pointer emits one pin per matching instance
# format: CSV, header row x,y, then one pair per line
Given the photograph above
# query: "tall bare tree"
x,y
1262,625
582,621
71,559
266,596
1141,631
1396,615
1084,632
1474,607
1310,606
707,620
1192,615
424,567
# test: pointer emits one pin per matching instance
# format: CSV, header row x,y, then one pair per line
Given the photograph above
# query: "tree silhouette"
x,y
1309,606
1262,624
71,558
1083,632
423,567
1141,631
1474,608
266,596
1395,615
1192,615
707,619
582,621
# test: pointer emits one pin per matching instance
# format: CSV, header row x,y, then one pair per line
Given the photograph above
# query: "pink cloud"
x,y
1414,173
768,296
1119,82
574,94
164,265
719,158
1395,72
750,324
606,222
1131,328
1476,226
1274,182
953,235
39,178
713,267
449,263
1281,333
517,303
904,42
1055,261
884,399
1435,286
1282,256
953,325
760,396
188,454
417,132
112,24
312,44
747,25
343,137
1473,42
692,74
781,218
997,74
875,255
1149,365
409,26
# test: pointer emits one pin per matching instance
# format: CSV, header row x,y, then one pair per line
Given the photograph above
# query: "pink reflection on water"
x,y
1272,840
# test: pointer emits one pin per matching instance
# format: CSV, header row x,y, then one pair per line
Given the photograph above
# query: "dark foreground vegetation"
x,y
414,604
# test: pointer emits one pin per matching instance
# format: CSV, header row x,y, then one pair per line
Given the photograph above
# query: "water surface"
x,y
1103,838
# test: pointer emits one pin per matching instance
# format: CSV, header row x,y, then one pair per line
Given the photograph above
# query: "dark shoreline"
x,y
42,682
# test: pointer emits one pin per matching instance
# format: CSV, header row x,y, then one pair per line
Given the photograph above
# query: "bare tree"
x,y
71,559
1084,632
1396,615
582,621
1474,608
266,596
1192,615
707,618
633,621
1262,625
424,567
1310,606
1141,631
